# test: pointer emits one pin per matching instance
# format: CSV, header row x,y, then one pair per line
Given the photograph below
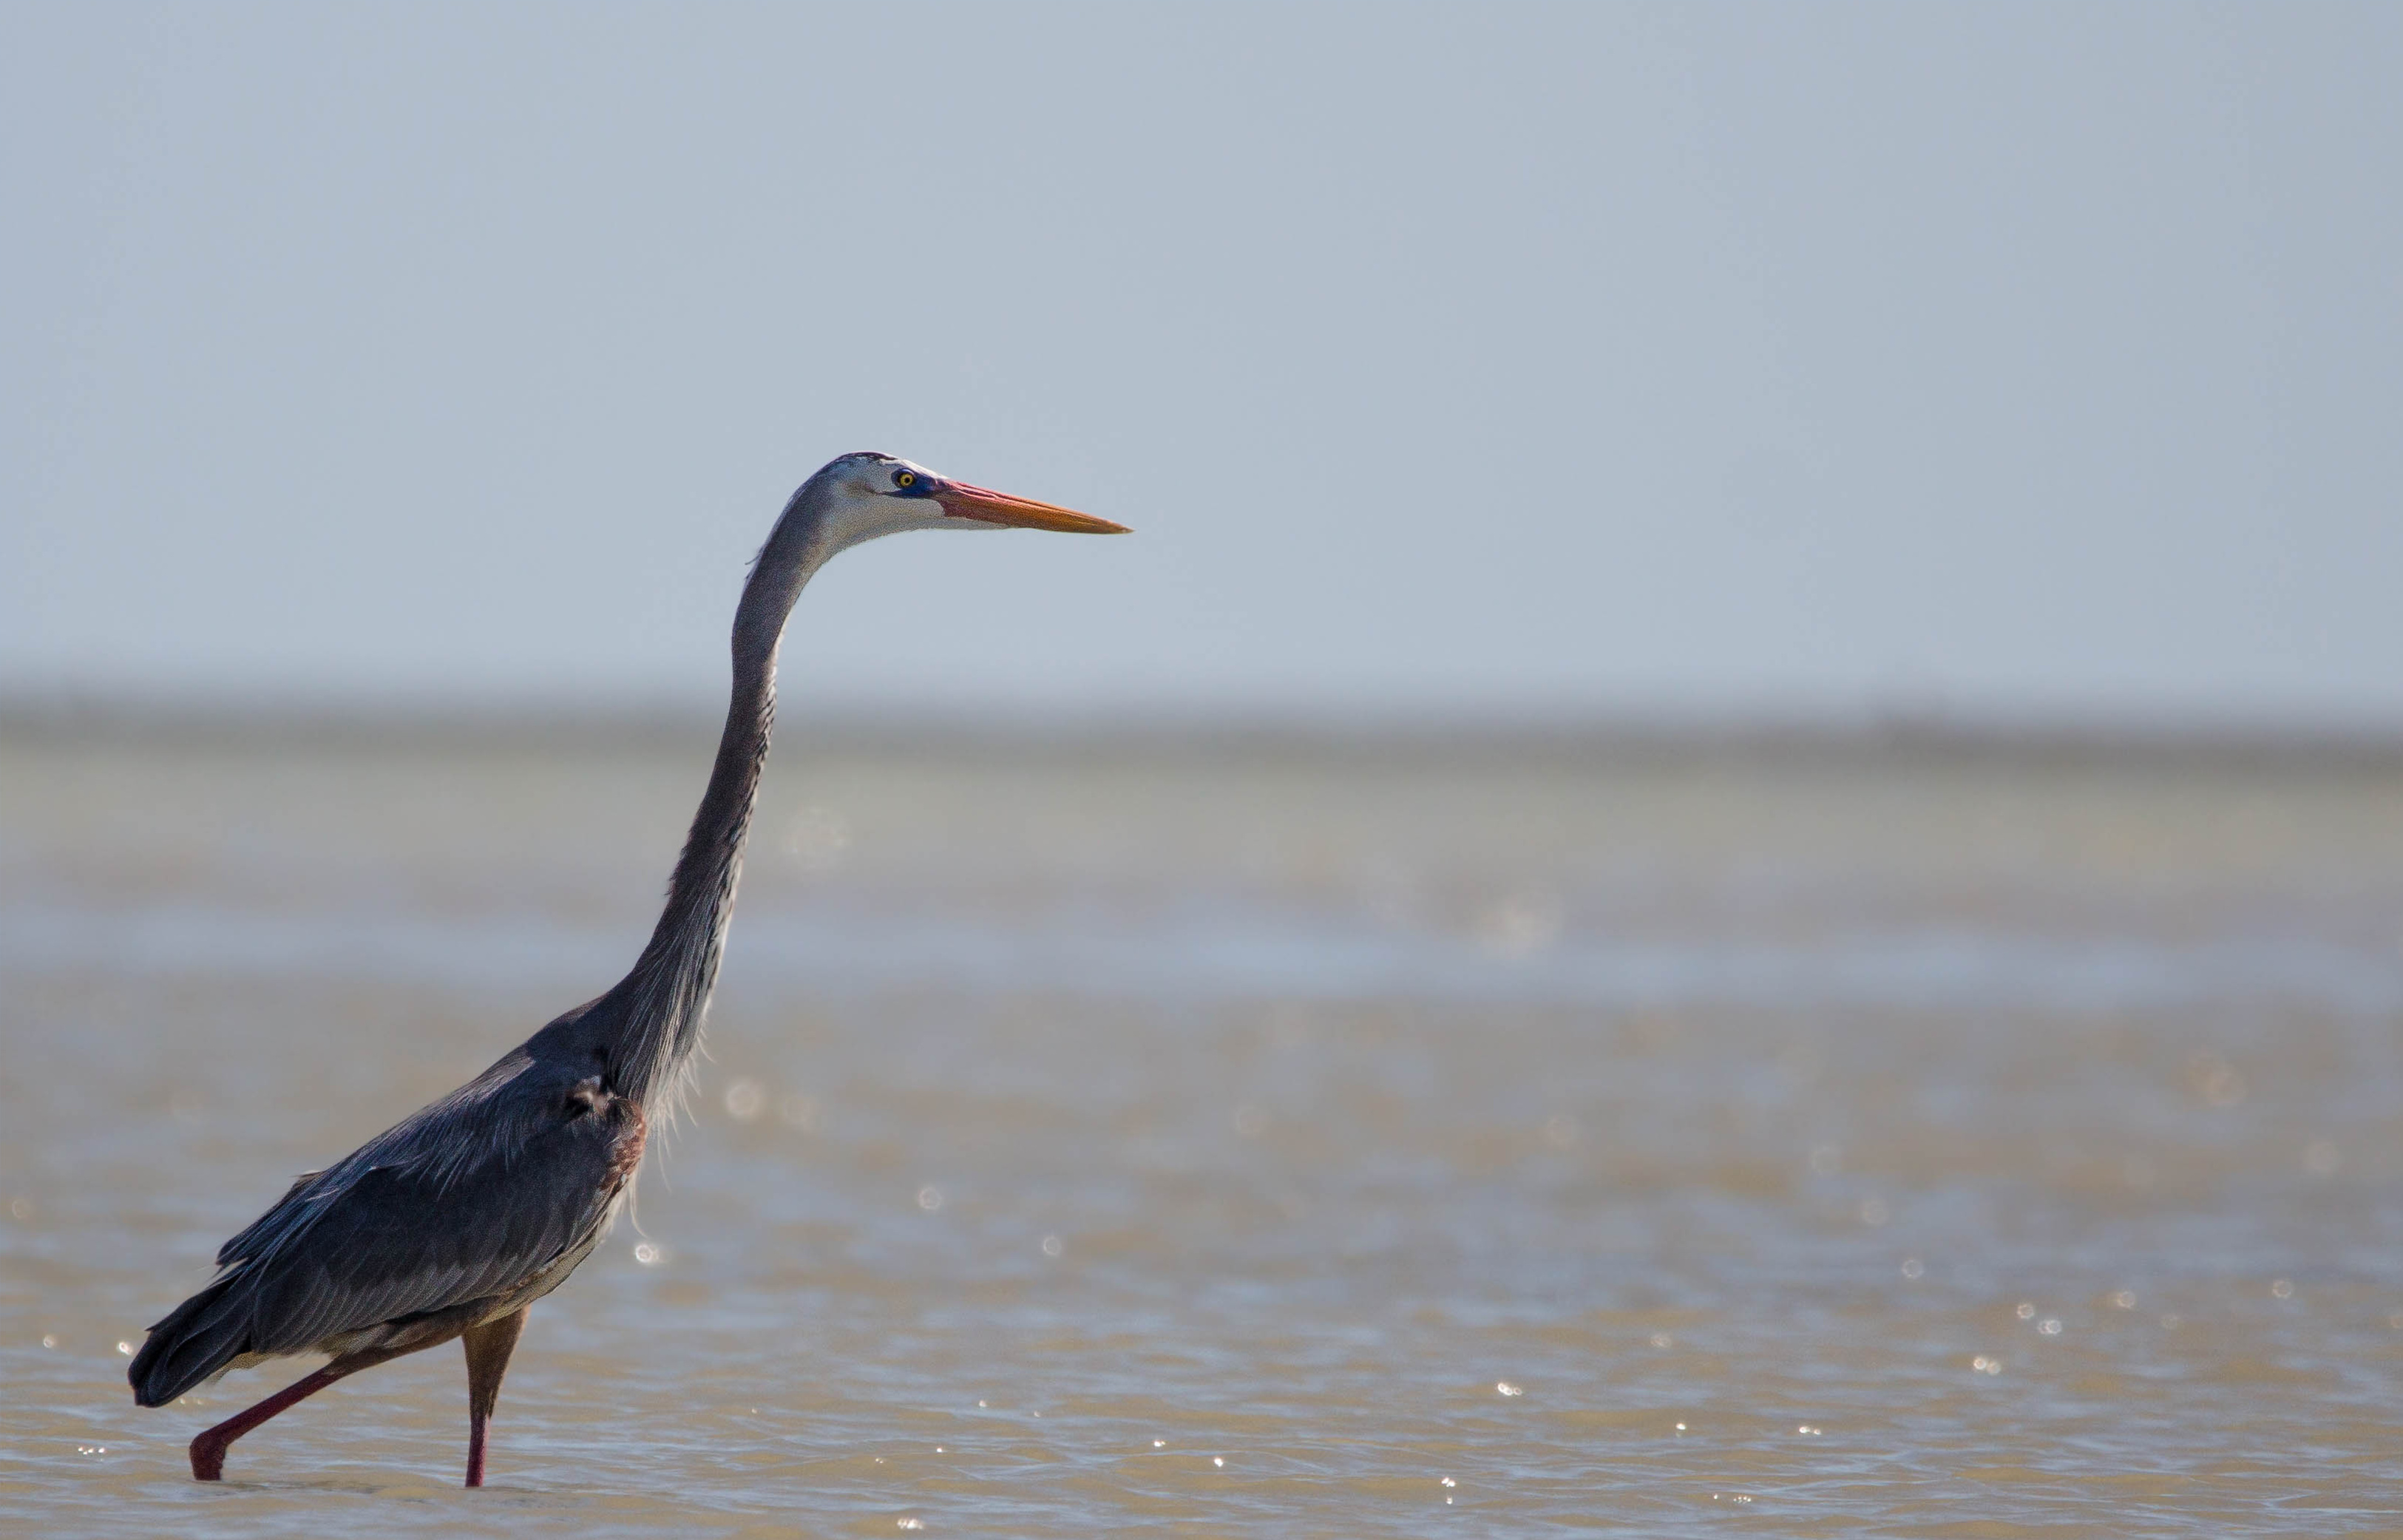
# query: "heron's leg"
x,y
489,1347
209,1448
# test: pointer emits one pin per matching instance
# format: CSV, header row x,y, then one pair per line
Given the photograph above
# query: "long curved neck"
x,y
667,994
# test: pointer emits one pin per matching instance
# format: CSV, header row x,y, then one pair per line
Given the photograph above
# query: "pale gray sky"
x,y
2013,358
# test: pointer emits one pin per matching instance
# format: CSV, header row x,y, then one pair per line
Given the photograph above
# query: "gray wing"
x,y
464,1202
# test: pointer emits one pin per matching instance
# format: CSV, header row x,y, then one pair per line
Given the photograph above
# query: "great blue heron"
x,y
454,1220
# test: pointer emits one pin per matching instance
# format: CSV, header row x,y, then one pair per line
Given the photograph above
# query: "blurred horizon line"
x,y
1628,731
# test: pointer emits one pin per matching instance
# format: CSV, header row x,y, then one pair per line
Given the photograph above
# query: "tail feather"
x,y
199,1336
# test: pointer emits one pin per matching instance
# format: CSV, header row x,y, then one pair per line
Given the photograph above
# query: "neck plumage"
x,y
666,996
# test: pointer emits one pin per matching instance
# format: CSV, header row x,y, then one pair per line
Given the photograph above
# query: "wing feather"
x,y
466,1200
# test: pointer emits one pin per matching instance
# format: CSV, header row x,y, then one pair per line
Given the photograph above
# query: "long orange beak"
x,y
962,501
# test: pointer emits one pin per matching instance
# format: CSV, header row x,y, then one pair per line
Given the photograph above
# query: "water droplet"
x,y
48,1341
1681,1427
2049,1325
1983,1365
2124,1299
2282,1290
1448,1481
1504,1387
930,1198
1914,1268
907,1523
1662,1339
745,1100
1827,1159
1520,926
819,837
2025,1311
125,1348
647,1253
1052,1247
1874,1211
2213,1080
1218,1461
938,1448
798,1112
22,1208
1807,1431
1159,1443
980,1403
91,1449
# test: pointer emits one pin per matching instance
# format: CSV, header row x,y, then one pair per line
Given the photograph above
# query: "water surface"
x,y
1268,1142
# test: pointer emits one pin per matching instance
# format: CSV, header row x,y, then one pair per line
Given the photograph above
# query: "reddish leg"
x,y
209,1448
489,1347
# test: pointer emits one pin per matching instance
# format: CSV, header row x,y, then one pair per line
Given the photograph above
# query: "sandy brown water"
x,y
1283,1141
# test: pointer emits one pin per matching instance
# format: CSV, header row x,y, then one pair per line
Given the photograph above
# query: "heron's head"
x,y
866,495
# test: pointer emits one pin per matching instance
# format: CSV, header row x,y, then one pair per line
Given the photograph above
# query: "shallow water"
x,y
1266,1143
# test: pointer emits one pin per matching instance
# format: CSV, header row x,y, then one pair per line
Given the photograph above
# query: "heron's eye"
x,y
905,479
